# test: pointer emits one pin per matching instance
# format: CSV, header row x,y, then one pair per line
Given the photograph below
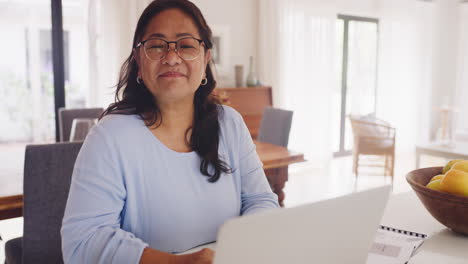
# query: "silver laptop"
x,y
334,231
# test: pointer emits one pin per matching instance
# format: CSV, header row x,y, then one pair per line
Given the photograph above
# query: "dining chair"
x,y
47,175
81,127
373,136
275,126
66,117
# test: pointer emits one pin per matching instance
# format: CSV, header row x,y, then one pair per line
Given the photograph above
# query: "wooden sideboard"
x,y
250,103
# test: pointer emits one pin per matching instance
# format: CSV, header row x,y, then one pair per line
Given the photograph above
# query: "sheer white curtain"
x,y
462,79
111,25
297,41
405,70
297,48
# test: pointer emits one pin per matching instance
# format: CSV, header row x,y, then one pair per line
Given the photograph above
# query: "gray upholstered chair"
x,y
275,126
66,117
14,251
47,175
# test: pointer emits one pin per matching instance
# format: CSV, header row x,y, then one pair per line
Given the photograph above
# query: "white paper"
x,y
392,248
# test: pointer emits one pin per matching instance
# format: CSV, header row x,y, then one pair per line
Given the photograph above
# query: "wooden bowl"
x,y
449,209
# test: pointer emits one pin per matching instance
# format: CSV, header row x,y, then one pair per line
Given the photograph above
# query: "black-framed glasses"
x,y
156,48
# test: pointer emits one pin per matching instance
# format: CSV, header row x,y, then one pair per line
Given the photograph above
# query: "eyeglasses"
x,y
156,49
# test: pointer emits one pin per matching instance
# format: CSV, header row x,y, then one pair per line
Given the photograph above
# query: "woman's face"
x,y
172,79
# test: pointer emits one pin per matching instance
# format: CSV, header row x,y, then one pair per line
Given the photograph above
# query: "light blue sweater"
x,y
130,191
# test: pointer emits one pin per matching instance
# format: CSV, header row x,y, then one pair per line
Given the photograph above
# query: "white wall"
x,y
239,19
116,21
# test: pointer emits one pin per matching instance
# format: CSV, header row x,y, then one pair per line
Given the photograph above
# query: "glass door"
x,y
357,50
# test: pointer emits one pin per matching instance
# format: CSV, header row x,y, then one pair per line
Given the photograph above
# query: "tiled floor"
x,y
305,185
311,184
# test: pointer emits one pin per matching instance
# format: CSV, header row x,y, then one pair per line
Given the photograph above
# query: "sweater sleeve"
x,y
91,230
256,193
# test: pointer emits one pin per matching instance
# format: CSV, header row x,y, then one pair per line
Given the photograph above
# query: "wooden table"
x,y
276,160
275,163
11,206
456,150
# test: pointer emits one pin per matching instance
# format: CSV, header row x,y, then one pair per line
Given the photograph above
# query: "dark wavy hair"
x,y
134,98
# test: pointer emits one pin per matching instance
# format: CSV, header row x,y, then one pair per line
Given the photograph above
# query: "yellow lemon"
x,y
438,177
461,165
449,165
435,185
456,182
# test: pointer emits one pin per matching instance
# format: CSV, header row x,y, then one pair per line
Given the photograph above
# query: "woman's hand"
x,y
204,256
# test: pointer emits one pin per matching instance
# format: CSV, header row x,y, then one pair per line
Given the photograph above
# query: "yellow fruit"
x,y
435,185
449,165
456,182
438,177
461,165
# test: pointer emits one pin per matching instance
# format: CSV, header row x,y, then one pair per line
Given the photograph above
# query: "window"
x,y
26,87
24,82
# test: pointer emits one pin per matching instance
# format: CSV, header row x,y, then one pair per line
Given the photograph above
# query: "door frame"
x,y
344,77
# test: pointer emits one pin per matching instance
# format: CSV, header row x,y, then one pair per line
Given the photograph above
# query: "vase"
x,y
239,74
252,77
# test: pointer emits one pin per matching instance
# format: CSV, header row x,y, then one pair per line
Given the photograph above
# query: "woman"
x,y
166,165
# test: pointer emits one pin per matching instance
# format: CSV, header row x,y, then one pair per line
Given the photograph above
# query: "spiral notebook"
x,y
394,246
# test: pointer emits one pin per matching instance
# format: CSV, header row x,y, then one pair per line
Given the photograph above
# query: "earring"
x,y
204,81
138,79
